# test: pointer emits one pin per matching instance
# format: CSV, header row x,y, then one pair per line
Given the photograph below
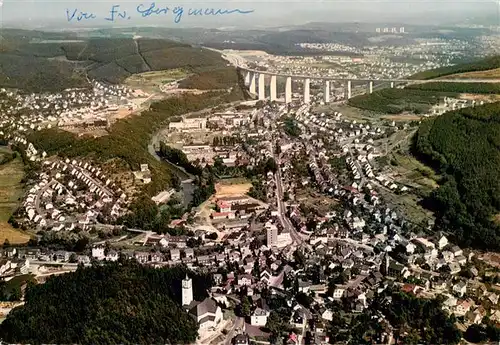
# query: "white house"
x,y
443,242
245,279
460,288
338,293
327,315
98,253
259,317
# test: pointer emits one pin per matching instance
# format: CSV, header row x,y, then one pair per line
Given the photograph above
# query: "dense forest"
x,y
37,63
113,303
480,65
486,88
463,146
396,101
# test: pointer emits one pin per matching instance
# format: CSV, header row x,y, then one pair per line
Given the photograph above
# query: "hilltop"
x,y
124,303
39,61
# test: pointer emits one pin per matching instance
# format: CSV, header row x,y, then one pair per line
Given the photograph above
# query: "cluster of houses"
x,y
357,144
373,62
71,108
69,194
450,103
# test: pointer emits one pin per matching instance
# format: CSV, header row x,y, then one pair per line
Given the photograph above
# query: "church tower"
x,y
187,291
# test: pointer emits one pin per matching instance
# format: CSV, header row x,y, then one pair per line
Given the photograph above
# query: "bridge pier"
x,y
273,88
247,78
370,87
348,90
326,91
307,96
288,90
262,87
252,83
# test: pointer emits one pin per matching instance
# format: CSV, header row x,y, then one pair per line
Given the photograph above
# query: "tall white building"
x,y
187,291
272,235
402,29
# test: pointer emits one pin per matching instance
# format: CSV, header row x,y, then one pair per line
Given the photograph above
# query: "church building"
x,y
207,313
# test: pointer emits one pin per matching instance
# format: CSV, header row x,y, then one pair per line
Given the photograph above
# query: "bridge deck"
x,y
369,80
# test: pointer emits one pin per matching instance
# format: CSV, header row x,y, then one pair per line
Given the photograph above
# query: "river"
x,y
187,184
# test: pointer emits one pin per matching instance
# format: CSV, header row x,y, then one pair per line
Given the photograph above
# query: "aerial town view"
x,y
325,182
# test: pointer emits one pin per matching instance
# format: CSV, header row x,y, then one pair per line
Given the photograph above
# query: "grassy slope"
x,y
479,88
11,190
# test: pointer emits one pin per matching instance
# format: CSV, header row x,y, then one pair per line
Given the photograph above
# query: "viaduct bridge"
x,y
256,82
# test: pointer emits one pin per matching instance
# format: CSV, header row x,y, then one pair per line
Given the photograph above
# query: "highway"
x,y
240,62
366,80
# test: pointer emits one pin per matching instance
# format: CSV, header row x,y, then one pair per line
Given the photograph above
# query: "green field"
x,y
233,181
11,190
154,79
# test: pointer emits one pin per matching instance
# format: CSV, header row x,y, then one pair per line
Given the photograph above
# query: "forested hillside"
x,y
464,146
482,88
480,65
114,303
38,61
396,101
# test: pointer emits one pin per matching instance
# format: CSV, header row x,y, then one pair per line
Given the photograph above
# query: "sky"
x,y
37,13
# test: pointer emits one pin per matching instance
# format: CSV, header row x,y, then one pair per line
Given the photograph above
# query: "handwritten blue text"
x,y
117,13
